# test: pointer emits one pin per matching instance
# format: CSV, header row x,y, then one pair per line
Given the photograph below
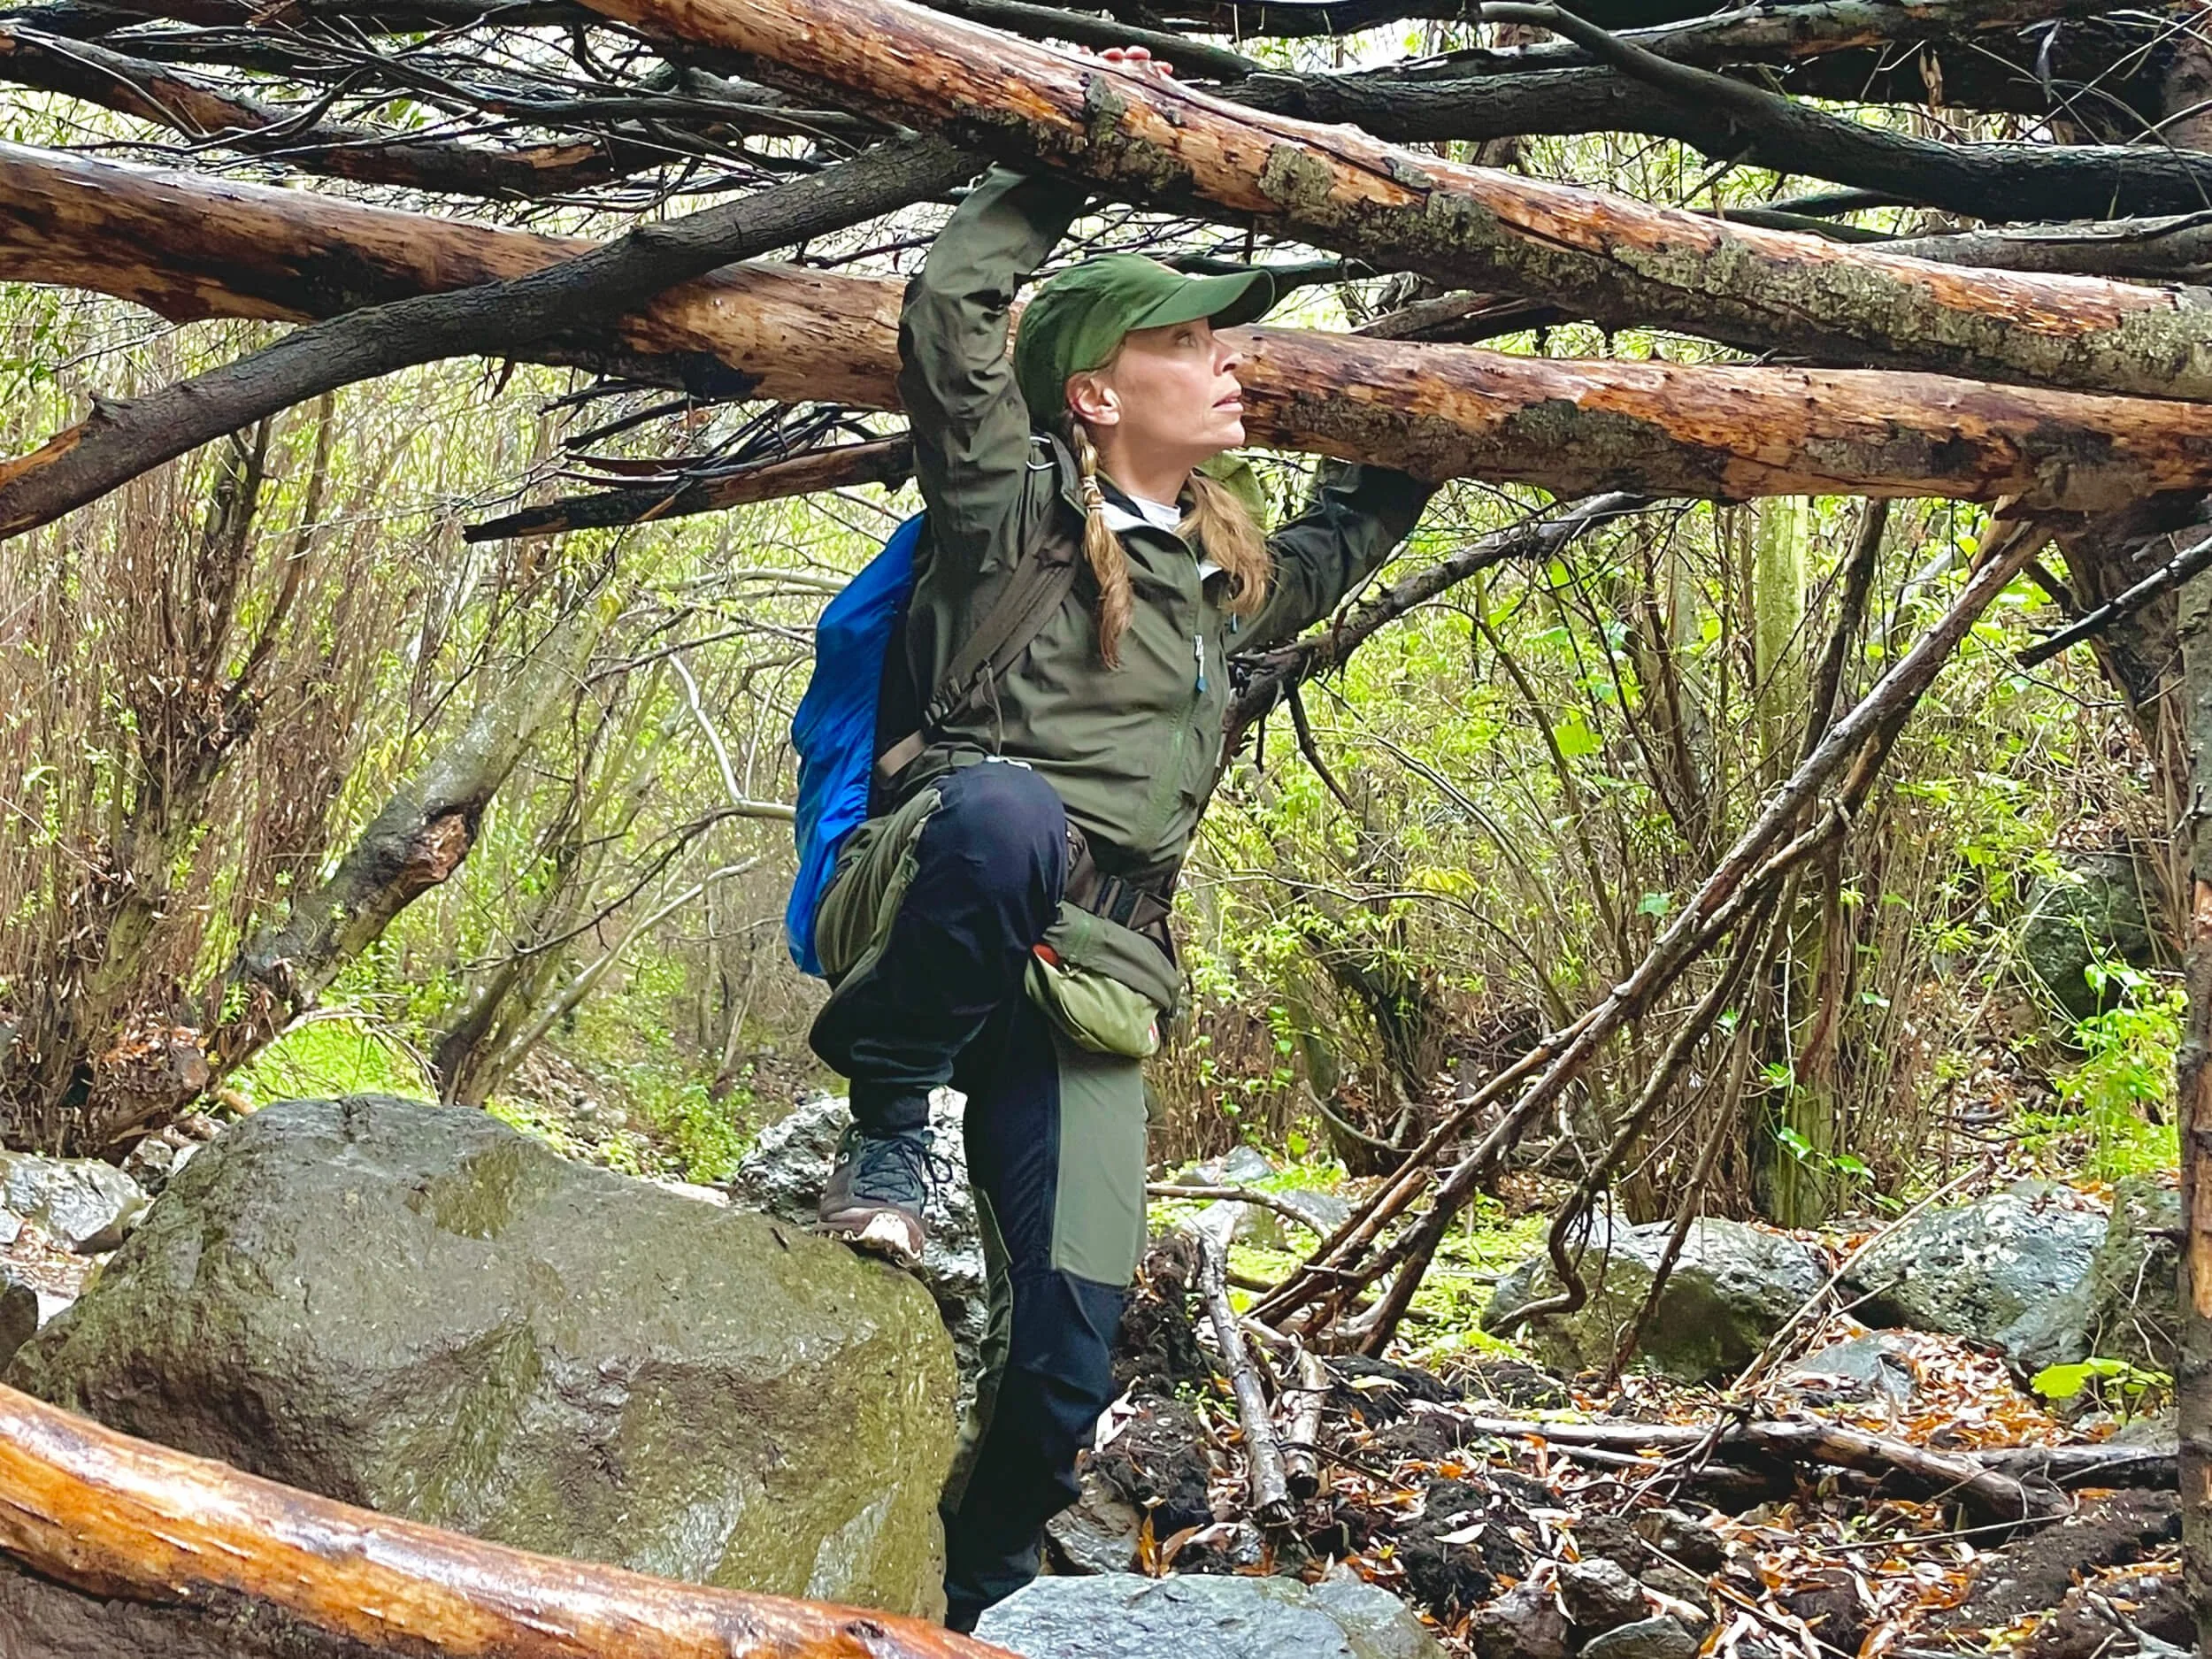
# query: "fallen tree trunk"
x,y
120,440
188,248
121,1518
1135,133
2015,1484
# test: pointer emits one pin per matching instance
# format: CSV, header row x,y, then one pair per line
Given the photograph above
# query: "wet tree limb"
x,y
1135,133
120,440
118,1518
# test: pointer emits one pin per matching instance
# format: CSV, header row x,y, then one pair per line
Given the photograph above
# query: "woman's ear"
x,y
1092,400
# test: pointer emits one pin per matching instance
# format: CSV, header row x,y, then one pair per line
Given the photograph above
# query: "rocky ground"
x,y
1773,1481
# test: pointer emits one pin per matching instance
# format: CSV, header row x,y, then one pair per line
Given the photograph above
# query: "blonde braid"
x,y
1109,560
1219,522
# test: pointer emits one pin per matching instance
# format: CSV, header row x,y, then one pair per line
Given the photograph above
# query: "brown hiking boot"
x,y
876,1194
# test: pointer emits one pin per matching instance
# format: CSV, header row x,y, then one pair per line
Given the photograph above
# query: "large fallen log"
x,y
1136,133
191,248
118,440
121,1518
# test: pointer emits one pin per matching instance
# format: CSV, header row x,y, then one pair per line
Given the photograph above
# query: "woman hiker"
x,y
1000,926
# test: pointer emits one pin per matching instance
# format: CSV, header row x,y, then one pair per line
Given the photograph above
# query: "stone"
x,y
1600,1595
1683,1538
1120,1616
1271,1230
1525,1623
1658,1638
1875,1367
2122,1306
81,1203
20,1311
1733,1288
2091,912
417,1310
784,1173
1987,1270
1098,1533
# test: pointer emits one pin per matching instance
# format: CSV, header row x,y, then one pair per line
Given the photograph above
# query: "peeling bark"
x,y
1573,426
124,1518
2192,1083
1137,134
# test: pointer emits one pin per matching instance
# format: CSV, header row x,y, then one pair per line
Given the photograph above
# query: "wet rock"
x,y
160,1156
81,1203
1684,1538
1831,1606
2092,912
1731,1289
1324,1213
1600,1595
1240,1166
1525,1623
784,1172
1986,1271
1098,1533
419,1310
2123,1305
18,1317
1119,1615
1861,1369
1658,1638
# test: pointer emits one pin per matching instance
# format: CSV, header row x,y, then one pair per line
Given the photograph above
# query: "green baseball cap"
x,y
1079,316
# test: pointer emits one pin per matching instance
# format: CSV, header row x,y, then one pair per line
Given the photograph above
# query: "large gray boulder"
x,y
1988,1270
1120,1616
2123,1306
420,1310
81,1203
788,1165
1731,1289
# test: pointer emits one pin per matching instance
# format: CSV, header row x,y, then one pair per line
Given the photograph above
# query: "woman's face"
x,y
1170,395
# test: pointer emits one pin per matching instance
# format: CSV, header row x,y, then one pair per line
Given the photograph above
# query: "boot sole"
x,y
879,1235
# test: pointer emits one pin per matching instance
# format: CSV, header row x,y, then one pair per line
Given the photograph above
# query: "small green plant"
x,y
2119,1090
2127,1388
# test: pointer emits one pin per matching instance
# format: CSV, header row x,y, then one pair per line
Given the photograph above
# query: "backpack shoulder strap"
x,y
1039,585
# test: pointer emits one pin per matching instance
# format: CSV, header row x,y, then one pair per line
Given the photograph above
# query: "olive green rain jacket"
x,y
1133,751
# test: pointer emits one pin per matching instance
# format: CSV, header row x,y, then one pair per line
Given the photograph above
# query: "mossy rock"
x,y
417,1309
1731,1289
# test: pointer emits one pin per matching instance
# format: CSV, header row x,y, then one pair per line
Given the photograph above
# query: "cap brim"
x,y
1241,297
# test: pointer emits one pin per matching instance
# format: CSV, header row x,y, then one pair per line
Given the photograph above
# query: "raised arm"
x,y
971,427
1359,516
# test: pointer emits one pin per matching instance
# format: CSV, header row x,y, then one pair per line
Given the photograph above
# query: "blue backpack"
x,y
842,758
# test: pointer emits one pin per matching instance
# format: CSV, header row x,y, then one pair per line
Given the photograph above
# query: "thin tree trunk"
x,y
416,842
2194,1092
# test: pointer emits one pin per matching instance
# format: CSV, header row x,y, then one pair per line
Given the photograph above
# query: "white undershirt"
x,y
1160,516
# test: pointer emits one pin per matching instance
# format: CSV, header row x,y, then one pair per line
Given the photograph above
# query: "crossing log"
x,y
124,1518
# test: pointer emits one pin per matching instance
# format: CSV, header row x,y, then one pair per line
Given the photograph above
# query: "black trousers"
x,y
938,998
